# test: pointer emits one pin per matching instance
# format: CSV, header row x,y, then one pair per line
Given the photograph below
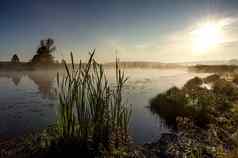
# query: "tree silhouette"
x,y
44,52
15,59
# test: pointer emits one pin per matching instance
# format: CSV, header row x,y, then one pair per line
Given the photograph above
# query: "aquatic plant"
x,y
91,110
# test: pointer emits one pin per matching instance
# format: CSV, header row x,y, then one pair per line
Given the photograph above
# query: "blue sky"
x,y
151,30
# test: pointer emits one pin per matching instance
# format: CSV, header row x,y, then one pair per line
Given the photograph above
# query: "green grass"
x,y
91,110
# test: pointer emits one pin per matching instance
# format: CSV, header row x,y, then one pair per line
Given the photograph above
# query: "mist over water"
x,y
28,101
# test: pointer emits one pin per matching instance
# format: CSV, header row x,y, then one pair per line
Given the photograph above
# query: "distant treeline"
x,y
16,66
143,64
214,68
27,66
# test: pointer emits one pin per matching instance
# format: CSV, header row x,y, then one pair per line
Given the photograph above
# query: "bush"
x,y
193,83
169,105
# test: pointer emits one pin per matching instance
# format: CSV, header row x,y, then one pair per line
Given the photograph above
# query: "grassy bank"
x,y
203,115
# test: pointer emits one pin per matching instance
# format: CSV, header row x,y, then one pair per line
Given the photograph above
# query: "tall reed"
x,y
90,109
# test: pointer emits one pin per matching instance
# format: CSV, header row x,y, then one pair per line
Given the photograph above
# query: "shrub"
x,y
193,83
169,105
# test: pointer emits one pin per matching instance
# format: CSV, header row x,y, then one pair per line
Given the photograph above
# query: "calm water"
x,y
27,100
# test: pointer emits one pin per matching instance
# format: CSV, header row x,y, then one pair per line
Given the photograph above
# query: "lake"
x,y
28,101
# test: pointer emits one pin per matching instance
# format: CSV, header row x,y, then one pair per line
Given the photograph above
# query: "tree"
x,y
15,59
44,52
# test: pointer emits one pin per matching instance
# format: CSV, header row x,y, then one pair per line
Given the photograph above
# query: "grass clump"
x,y
92,112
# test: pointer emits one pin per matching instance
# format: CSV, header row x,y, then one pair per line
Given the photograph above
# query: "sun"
x,y
206,37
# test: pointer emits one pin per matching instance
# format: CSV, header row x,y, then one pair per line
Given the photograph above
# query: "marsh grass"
x,y
91,111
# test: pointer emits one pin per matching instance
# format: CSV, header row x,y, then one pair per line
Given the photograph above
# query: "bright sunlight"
x,y
206,36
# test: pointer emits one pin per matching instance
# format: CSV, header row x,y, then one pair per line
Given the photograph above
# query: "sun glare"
x,y
207,36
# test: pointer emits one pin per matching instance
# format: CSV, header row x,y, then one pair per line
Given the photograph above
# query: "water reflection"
x,y
27,101
44,80
13,75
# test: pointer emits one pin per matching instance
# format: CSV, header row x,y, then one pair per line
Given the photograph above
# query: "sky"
x,y
133,30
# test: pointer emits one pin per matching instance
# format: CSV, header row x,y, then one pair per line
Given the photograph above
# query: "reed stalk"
x,y
90,108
